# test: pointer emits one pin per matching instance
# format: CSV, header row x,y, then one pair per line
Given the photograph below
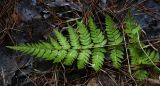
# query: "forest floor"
x,y
25,21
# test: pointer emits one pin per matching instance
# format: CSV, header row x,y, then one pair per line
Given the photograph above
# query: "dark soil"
x,y
25,21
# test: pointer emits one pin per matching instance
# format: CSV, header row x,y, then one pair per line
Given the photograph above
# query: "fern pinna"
x,y
87,46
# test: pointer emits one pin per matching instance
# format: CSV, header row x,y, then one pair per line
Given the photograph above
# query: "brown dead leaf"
x,y
93,82
16,18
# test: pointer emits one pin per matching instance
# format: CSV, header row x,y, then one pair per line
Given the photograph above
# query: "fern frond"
x,y
83,58
84,35
62,40
88,45
139,56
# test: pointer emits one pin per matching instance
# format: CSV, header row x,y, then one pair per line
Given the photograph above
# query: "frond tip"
x,y
33,50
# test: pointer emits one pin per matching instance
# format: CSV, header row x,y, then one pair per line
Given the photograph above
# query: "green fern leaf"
x,y
132,29
55,44
84,35
74,39
41,45
46,45
116,57
60,56
71,56
114,37
110,25
96,35
151,56
62,40
52,55
99,41
85,45
33,51
83,58
140,74
98,58
138,56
